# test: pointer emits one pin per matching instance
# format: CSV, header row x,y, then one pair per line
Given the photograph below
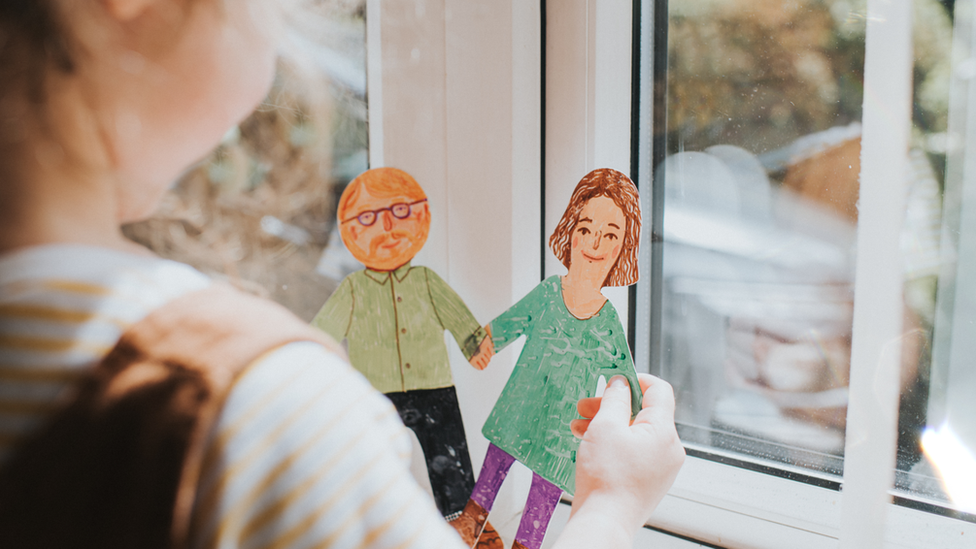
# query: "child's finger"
x,y
645,381
615,405
588,407
579,427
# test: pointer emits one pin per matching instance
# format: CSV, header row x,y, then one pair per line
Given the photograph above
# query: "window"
x,y
793,283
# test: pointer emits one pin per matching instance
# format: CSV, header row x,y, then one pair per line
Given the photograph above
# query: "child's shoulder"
x,y
95,279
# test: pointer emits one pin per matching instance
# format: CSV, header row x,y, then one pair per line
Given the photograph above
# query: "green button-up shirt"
x,y
395,322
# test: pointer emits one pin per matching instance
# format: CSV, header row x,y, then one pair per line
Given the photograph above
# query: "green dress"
x,y
561,363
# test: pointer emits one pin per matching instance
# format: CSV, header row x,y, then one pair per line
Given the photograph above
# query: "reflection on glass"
x,y
945,475
259,212
760,182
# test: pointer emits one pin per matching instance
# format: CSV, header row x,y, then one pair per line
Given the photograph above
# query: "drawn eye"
x,y
583,230
611,236
367,218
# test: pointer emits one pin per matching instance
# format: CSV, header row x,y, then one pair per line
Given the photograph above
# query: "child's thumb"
x,y
615,405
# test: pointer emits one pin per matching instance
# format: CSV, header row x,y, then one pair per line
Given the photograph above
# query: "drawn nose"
x,y
387,220
596,240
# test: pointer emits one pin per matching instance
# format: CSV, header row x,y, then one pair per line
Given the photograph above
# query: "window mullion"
x,y
374,82
878,304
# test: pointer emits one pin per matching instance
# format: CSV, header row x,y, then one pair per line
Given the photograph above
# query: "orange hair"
x,y
619,188
380,183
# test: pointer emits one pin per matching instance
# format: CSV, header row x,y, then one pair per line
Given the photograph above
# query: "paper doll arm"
x,y
625,366
485,351
335,316
518,319
454,315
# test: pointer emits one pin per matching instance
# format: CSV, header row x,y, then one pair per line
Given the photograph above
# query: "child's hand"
x,y
626,467
486,350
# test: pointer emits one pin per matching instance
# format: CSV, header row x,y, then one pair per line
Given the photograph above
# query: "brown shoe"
x,y
489,538
471,522
517,545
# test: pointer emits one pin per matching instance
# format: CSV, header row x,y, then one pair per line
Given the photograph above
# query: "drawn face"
x,y
385,233
597,240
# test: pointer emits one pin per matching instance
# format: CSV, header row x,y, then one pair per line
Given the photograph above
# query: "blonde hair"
x,y
381,183
619,188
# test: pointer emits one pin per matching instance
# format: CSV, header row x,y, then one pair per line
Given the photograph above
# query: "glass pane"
x,y
937,462
259,212
760,170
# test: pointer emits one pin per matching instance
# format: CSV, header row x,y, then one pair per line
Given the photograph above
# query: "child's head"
x,y
611,199
383,218
126,93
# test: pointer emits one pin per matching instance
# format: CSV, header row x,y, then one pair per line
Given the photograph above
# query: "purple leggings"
x,y
543,496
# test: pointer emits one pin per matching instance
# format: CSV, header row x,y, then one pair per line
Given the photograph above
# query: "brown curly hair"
x,y
619,188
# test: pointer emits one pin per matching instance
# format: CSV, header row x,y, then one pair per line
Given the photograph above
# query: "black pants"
x,y
435,418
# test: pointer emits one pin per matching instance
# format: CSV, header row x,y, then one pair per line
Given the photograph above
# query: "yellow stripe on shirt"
x,y
236,514
40,312
51,345
294,533
218,447
53,314
375,533
273,511
76,287
40,375
418,531
210,499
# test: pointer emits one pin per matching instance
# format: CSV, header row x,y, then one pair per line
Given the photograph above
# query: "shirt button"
x,y
408,365
403,330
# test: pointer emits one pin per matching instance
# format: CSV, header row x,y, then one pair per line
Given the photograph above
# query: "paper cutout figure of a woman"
x,y
573,336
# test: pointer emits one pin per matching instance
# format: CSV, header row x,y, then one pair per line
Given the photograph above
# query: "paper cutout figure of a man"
x,y
394,315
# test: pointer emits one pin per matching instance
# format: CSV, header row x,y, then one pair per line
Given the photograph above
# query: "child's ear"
x,y
126,10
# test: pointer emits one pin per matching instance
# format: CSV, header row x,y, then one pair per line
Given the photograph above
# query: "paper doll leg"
x,y
473,523
493,473
543,498
434,416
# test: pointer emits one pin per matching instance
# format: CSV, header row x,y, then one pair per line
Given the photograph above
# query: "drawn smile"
x,y
593,257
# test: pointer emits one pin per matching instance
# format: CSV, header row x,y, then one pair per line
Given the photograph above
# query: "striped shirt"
x,y
305,452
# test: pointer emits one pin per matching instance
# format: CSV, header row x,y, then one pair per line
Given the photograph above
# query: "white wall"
x,y
460,111
588,97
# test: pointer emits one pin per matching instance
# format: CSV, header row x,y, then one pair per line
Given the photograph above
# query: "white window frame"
x,y
455,97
